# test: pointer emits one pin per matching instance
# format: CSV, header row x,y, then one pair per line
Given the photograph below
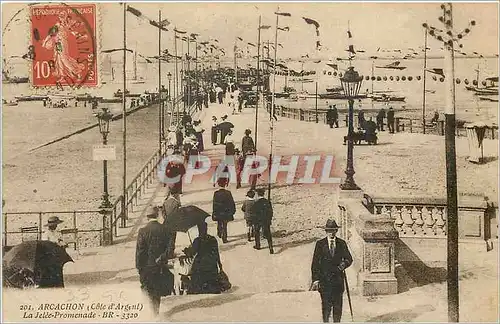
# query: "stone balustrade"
x,y
427,217
372,240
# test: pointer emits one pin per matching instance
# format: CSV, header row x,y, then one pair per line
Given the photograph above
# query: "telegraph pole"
x,y
449,38
258,83
124,119
160,123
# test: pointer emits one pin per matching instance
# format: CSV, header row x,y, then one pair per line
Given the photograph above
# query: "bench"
x,y
74,241
30,230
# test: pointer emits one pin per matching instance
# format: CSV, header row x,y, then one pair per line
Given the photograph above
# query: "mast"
x,y
135,62
425,67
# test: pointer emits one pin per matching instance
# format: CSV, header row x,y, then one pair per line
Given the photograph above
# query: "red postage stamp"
x,y
63,45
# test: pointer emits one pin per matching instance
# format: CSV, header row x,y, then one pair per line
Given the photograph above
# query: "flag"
x,y
194,35
265,27
204,43
134,11
158,25
116,50
311,22
179,31
241,39
284,28
351,49
349,34
165,22
334,66
280,45
285,14
436,71
251,44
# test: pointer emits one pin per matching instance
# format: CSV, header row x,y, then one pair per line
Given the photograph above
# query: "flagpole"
x,y
258,83
425,67
124,118
176,103
235,63
271,115
160,128
188,77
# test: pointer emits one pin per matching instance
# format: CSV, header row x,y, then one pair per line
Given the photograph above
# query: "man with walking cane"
x,y
331,257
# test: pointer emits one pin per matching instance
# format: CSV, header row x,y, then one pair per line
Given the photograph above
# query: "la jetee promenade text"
x,y
294,169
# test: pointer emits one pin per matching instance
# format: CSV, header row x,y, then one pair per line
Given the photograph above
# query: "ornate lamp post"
x,y
169,77
104,117
351,84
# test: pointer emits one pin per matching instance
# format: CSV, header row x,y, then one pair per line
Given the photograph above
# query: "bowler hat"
x,y
152,212
331,224
53,220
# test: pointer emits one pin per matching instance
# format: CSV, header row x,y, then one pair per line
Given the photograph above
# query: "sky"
x,y
373,25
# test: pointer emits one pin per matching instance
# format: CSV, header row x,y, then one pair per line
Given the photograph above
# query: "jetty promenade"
x,y
275,287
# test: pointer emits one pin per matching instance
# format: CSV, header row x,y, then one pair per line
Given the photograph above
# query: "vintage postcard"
x,y
249,162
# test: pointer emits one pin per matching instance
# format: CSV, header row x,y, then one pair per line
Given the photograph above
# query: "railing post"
x,y
75,227
40,226
5,229
411,125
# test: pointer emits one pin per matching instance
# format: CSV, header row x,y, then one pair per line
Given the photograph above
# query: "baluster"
x,y
440,221
418,220
407,220
378,210
429,221
398,222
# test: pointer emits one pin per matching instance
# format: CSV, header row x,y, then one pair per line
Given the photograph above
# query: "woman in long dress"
x,y
206,264
58,40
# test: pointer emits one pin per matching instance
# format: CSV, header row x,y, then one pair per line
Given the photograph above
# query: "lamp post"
x,y
351,84
169,77
104,117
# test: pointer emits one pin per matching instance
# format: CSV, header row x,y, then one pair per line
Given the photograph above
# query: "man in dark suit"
x,y
332,116
263,216
223,208
331,257
170,206
151,254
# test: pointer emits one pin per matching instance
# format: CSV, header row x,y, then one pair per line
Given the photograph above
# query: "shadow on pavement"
x,y
98,277
404,315
289,245
216,300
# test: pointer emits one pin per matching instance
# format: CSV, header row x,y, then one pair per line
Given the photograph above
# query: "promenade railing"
x,y
401,124
90,227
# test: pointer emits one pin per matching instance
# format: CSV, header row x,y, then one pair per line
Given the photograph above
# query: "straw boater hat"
x,y
53,220
331,224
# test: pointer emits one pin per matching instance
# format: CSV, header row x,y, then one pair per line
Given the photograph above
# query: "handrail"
x,y
401,123
133,192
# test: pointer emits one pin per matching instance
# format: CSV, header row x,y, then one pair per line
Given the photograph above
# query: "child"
x,y
247,209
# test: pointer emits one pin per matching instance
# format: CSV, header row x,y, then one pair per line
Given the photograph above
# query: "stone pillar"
x,y
378,235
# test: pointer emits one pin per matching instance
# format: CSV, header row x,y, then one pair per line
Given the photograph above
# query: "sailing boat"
x,y
135,80
7,78
393,66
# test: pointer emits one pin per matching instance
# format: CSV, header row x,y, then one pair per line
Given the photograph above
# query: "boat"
x,y
118,94
31,98
282,95
491,88
10,103
302,80
110,100
334,89
8,78
393,66
488,99
384,98
340,96
16,79
486,91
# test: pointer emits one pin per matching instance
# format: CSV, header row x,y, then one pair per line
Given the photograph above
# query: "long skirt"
x,y
214,135
199,138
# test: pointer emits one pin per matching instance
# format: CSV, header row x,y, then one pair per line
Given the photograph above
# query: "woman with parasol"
x,y
206,264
